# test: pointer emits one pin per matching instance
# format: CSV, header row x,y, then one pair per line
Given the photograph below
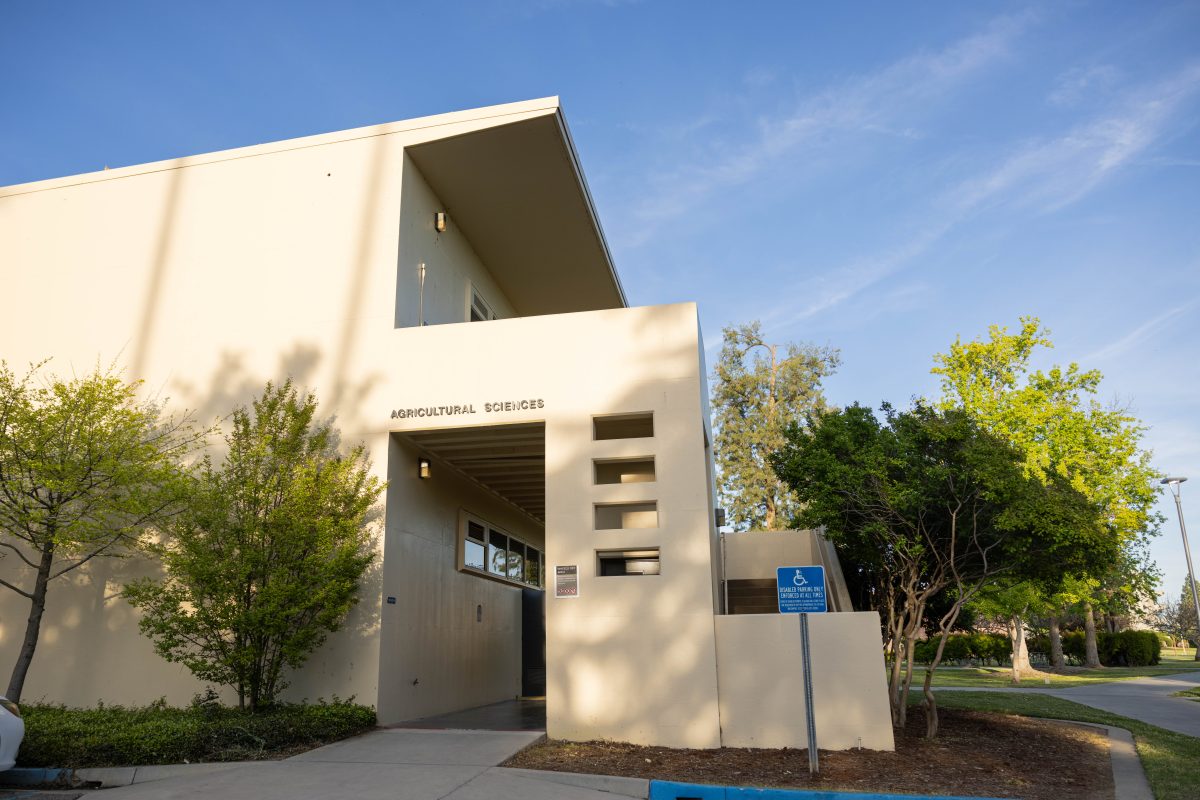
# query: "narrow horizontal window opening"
x,y
489,551
621,516
612,563
625,470
624,426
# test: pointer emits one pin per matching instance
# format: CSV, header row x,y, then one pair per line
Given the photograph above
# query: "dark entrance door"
x,y
533,643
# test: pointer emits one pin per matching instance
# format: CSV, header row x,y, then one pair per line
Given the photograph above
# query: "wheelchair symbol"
x,y
798,579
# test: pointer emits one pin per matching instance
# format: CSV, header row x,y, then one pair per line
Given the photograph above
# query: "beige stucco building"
x,y
444,287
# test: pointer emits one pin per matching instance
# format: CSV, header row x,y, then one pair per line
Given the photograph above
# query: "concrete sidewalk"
x,y
1148,700
396,764
1145,699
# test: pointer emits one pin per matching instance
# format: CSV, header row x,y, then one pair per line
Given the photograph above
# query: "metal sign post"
x,y
801,591
809,717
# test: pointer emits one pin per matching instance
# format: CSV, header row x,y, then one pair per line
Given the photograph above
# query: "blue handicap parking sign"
x,y
801,590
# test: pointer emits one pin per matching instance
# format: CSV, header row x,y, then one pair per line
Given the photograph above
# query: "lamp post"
x,y
1174,483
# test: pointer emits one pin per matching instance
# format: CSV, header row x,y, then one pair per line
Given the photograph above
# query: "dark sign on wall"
x,y
566,581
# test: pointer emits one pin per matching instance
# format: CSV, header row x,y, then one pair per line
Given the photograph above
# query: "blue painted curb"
x,y
669,790
36,776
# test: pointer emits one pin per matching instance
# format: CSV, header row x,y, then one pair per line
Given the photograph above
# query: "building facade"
x,y
444,287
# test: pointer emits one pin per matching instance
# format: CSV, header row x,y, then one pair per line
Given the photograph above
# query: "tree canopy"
x,y
266,558
759,389
925,503
85,467
1055,420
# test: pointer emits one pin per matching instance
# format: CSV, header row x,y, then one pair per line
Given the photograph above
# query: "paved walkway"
x,y
1145,699
397,764
507,715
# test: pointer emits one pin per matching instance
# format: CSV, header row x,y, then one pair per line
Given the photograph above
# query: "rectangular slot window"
x,y
624,426
493,553
615,516
629,470
611,563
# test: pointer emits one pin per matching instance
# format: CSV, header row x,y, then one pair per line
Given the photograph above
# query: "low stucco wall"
x,y
760,681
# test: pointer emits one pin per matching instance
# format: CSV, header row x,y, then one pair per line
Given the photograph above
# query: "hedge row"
x,y
109,736
961,647
1121,649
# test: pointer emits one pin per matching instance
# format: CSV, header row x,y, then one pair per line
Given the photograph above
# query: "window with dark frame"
x,y
490,551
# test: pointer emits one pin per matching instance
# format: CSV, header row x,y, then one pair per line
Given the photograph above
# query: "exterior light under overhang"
x,y
440,221
423,469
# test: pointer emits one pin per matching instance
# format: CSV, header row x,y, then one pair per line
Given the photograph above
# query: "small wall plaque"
x,y
566,581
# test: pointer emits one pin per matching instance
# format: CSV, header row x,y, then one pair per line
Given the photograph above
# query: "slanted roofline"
x,y
581,244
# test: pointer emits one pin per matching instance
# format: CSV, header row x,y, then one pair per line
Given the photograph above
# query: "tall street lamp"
x,y
1187,551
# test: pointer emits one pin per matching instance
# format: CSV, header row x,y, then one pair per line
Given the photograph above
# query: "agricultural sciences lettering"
x,y
531,404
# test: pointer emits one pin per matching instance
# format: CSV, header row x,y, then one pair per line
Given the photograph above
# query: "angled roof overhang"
x,y
516,191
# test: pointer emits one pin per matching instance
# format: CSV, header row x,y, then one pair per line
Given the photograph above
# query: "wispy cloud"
x,y
875,102
1054,173
1147,329
1075,84
1042,176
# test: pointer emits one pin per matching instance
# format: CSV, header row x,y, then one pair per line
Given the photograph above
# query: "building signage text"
x,y
801,590
566,581
529,404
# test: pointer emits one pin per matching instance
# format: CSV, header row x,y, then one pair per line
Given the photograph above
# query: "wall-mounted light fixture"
x,y
440,221
423,470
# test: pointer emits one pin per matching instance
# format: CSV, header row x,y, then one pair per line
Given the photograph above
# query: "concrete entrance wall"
x,y
631,658
451,640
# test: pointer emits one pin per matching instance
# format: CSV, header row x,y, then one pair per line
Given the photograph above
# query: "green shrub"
x,y
965,647
108,736
1074,646
1122,649
1134,648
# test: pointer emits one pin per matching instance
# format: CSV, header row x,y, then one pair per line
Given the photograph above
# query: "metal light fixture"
x,y
440,221
423,471
1187,550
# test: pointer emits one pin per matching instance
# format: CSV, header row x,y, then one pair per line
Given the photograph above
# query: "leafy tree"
x,y
927,504
1178,618
757,393
267,556
84,467
1010,602
1054,419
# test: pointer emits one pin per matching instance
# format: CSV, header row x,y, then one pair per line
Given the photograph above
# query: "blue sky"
x,y
873,176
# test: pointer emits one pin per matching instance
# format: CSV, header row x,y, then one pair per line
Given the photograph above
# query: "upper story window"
x,y
481,310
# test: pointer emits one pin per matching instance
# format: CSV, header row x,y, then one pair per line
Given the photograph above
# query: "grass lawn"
x,y
1170,759
1173,661
1191,694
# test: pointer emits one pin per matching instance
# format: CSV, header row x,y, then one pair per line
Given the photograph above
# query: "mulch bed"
x,y
976,754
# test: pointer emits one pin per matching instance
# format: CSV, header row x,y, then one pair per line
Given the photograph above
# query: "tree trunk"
x,y
1020,650
910,641
33,625
1092,654
1056,652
